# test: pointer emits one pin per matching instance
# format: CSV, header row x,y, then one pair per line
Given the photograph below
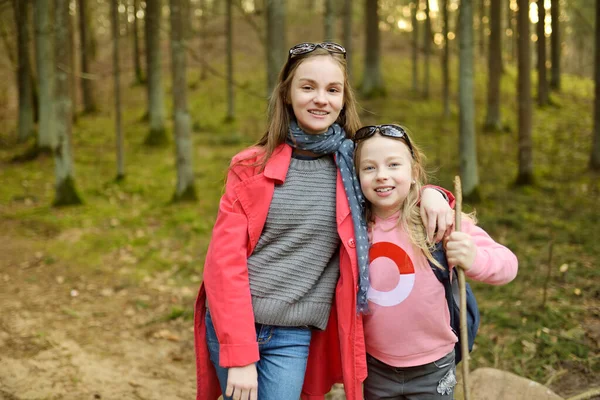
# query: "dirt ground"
x,y
68,336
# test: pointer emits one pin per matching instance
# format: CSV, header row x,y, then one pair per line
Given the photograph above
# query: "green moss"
x,y
156,138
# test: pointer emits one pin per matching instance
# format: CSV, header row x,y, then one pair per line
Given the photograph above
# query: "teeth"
x,y
383,190
318,112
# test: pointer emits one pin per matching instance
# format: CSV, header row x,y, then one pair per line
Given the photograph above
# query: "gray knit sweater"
x,y
295,267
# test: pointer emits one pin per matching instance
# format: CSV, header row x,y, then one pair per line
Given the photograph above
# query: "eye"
x,y
368,168
334,90
307,87
395,164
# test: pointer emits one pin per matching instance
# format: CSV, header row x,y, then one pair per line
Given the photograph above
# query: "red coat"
x,y
336,354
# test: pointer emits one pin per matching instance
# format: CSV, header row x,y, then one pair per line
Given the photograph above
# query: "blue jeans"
x,y
282,365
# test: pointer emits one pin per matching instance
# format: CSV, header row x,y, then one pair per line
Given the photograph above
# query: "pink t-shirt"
x,y
409,322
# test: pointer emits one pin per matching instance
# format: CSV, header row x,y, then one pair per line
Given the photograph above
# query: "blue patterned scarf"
x,y
334,141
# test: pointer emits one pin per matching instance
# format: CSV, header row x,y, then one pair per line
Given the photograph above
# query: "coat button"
x,y
351,243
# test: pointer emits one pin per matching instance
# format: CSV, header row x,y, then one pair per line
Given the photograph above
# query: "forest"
x,y
119,119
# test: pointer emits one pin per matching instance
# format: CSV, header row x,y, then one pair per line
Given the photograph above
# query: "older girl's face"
x,y
317,93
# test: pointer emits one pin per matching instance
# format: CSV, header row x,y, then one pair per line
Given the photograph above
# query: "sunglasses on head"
x,y
304,48
393,131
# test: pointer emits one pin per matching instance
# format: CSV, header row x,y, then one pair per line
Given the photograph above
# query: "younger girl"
x,y
284,245
409,342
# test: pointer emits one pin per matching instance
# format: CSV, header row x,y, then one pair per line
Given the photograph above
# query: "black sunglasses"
x,y
393,131
304,48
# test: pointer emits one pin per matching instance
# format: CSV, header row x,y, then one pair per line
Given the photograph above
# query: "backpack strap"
x,y
443,275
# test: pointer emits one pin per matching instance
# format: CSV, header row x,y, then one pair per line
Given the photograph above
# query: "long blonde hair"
x,y
280,109
410,214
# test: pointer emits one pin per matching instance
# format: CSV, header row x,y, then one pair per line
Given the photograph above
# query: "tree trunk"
x,y
114,14
230,92
427,50
595,153
203,19
372,85
73,66
415,46
510,32
493,119
157,136
541,56
65,194
26,124
467,142
525,174
348,35
183,139
555,46
329,21
481,28
137,62
87,87
44,61
446,60
276,48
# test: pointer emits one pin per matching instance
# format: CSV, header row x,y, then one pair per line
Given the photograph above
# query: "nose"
x,y
381,174
320,97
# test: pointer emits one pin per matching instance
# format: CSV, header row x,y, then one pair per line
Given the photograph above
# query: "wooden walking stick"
x,y
462,287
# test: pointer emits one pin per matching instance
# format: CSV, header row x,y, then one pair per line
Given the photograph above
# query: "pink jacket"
x,y
336,354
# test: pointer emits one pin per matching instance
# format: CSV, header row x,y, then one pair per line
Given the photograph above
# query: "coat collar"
x,y
278,164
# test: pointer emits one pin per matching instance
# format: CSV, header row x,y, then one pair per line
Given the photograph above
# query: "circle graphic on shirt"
x,y
406,271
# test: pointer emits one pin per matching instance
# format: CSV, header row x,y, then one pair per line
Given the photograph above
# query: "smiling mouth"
x,y
319,113
384,190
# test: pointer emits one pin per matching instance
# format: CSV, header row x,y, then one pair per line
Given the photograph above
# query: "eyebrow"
x,y
314,82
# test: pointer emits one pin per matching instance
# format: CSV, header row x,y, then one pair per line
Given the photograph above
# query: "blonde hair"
x,y
410,214
280,109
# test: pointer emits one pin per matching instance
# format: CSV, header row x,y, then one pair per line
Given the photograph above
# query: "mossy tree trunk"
x,y
137,62
348,35
230,89
26,124
446,60
415,45
372,84
493,121
555,46
44,61
525,173
595,154
467,138
157,136
65,194
329,21
427,50
541,55
87,84
114,17
276,48
202,38
183,138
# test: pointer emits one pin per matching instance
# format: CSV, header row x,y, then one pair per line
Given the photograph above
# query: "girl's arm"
x,y
226,281
436,212
480,256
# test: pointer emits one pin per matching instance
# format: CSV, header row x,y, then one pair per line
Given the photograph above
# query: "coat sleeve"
x,y
226,280
448,193
494,263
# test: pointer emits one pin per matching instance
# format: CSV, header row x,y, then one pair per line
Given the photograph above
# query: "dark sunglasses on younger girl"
x,y
393,131
303,48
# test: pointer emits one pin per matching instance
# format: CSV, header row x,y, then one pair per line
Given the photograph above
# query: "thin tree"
x,y
493,120
137,62
525,172
44,61
114,17
467,138
348,35
415,45
72,60
446,60
183,139
202,37
372,84
65,192
329,20
25,125
481,30
541,55
230,92
157,136
555,46
595,153
426,50
87,86
276,47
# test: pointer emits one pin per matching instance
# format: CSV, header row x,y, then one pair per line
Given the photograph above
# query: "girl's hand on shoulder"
x,y
461,250
242,383
436,212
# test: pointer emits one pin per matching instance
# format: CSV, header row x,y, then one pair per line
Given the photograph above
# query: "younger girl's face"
x,y
317,93
385,172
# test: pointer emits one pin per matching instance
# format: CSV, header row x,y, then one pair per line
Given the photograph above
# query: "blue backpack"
x,y
453,300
